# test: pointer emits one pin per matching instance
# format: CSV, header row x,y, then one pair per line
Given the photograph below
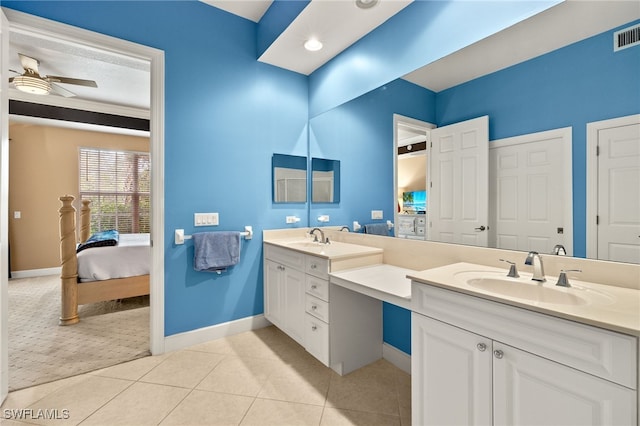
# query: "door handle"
x,y
481,228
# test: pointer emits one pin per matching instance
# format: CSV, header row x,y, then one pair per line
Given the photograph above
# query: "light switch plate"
x,y
376,214
205,219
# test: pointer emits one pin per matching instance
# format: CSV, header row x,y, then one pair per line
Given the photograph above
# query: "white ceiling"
x,y
125,81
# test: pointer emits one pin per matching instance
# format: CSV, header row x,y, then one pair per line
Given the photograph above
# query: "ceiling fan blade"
x,y
68,80
29,63
59,90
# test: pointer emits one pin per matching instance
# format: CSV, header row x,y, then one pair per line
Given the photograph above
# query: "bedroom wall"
x,y
43,164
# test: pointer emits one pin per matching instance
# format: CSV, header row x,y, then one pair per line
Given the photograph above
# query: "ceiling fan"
x,y
31,81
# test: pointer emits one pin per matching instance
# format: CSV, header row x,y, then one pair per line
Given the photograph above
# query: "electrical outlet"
x,y
376,214
292,219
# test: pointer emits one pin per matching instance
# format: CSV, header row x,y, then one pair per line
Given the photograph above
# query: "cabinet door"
x,y
531,390
273,293
294,303
451,374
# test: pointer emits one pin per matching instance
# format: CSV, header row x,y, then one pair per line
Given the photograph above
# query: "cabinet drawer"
x,y
285,256
318,308
316,338
317,266
603,353
317,287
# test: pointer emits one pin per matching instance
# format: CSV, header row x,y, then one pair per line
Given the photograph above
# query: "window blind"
x,y
118,184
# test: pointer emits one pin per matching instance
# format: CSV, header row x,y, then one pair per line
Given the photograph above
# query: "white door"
x,y
530,187
459,189
451,370
4,202
619,193
531,390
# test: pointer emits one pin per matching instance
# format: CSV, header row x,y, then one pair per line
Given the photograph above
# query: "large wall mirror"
x,y
325,180
551,110
289,181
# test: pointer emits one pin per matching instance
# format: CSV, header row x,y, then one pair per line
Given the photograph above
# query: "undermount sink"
x,y
529,291
533,291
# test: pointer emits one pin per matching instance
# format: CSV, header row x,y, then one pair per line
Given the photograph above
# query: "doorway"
x,y
411,174
52,30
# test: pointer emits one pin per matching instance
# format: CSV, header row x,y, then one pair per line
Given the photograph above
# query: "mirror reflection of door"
x,y
459,187
531,187
613,190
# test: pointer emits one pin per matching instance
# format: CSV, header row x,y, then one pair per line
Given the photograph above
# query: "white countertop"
x,y
383,282
334,250
609,307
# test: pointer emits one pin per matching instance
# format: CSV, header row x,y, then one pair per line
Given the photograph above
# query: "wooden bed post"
x,y
85,221
69,261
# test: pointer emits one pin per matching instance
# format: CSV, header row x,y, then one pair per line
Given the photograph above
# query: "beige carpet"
x,y
41,351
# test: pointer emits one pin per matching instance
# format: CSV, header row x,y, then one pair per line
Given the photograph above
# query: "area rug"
x,y
41,351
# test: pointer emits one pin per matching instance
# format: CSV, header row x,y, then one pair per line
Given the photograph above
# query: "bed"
x,y
100,273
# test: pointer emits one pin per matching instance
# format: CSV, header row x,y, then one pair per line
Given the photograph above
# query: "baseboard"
x,y
205,334
29,273
395,356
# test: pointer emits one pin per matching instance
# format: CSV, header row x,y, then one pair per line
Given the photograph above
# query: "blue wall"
x,y
226,114
359,133
584,82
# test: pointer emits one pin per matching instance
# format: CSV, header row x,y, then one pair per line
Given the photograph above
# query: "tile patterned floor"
x,y
256,378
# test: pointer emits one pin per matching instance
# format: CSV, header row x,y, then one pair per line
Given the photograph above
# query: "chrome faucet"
x,y
345,228
533,258
513,271
315,237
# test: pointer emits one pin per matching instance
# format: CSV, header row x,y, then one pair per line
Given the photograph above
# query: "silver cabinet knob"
x,y
313,266
498,354
481,347
313,287
314,307
314,328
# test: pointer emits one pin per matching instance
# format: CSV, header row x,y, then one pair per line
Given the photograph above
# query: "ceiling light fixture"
x,y
34,85
366,4
313,45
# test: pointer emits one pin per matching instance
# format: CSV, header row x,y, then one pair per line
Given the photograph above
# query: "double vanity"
x,y
486,348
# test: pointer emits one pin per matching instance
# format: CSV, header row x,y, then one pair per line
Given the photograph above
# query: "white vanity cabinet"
x,y
284,295
476,361
296,290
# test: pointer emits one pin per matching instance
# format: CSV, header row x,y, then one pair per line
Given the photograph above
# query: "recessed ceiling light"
x,y
366,4
313,45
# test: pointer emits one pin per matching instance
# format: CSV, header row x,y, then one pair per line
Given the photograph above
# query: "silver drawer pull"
x,y
313,266
314,307
481,347
498,354
313,287
314,328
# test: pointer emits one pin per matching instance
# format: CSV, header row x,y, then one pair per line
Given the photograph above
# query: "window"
x,y
118,185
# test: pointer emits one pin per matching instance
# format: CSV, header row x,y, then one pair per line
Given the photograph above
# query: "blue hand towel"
x,y
377,229
215,251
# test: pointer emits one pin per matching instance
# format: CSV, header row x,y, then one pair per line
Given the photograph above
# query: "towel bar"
x,y
180,237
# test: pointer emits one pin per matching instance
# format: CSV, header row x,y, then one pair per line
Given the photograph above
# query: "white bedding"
x,y
129,258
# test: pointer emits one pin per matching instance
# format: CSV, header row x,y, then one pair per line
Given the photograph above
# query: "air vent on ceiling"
x,y
626,38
